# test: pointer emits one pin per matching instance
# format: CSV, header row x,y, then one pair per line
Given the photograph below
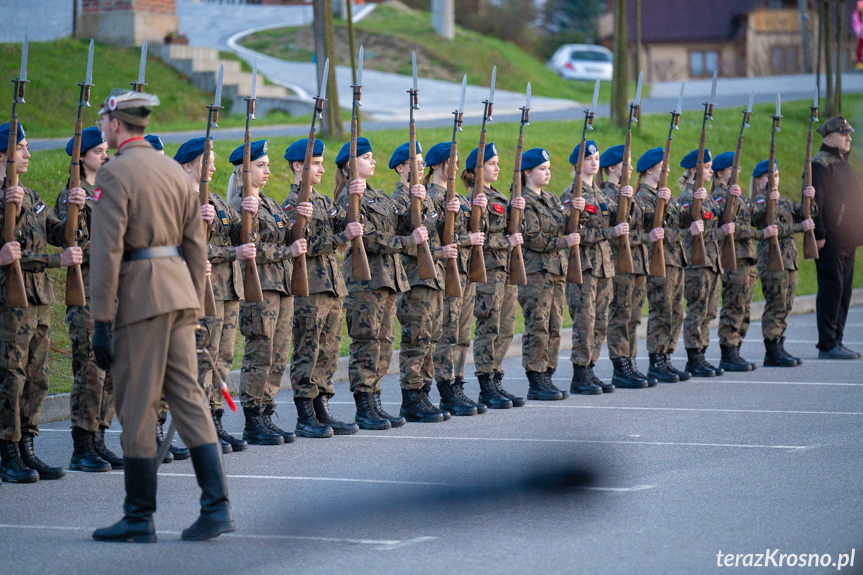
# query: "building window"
x,y
703,63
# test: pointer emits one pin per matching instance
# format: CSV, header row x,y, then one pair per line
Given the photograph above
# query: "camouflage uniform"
x,y
318,316
542,298
589,300
24,332
92,398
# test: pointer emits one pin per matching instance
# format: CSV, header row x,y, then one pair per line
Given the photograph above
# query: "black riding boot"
x,y
695,364
623,376
224,436
256,431
549,382
215,517
450,402
497,381
99,443
137,525
731,360
367,417
322,411
267,418
458,390
659,370
12,469
537,389
416,410
46,472
395,420
84,456
683,374
488,394
582,383
307,420
773,357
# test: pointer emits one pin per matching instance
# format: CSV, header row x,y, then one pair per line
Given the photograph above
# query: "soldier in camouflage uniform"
x,y
778,286
24,331
589,300
664,294
266,325
545,259
318,316
738,284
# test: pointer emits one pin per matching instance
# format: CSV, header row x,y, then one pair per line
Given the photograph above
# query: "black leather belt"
x,y
149,253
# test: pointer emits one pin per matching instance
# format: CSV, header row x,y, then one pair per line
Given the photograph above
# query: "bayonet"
x,y
493,79
217,101
88,81
595,98
415,103
360,68
322,93
679,108
414,66
463,91
142,68
525,112
712,100
638,88
254,79
527,105
24,51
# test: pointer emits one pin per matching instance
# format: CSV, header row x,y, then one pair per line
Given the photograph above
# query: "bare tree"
x,y
828,57
840,52
325,48
802,6
620,77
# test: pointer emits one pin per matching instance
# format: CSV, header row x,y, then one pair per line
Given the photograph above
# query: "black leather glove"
x,y
102,344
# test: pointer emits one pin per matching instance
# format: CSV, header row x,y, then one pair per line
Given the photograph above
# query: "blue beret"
x,y
258,149
438,154
490,152
4,135
90,138
296,152
155,141
761,168
190,150
590,149
612,156
402,153
649,159
690,159
363,147
722,161
533,157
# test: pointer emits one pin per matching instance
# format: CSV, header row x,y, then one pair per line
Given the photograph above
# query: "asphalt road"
x,y
639,481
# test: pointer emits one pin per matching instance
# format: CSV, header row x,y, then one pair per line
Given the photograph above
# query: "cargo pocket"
x,y
252,319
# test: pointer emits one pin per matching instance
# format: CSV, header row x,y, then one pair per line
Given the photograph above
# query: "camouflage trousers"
x,y
23,368
419,313
267,327
778,288
317,340
91,402
665,316
371,317
702,301
624,315
738,289
222,329
541,301
588,307
494,309
450,354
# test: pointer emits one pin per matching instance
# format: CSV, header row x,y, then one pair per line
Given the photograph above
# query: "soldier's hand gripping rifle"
x,y
573,272
204,189
360,262
810,248
624,248
251,281
699,257
75,294
452,282
657,252
476,268
425,264
517,274
729,255
300,275
16,294
774,254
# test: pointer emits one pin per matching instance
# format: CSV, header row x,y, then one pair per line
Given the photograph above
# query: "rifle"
x,y
573,273
142,67
624,248
251,281
204,189
774,255
425,264
517,274
810,248
657,252
476,269
699,257
16,293
729,256
452,282
75,294
360,270
300,275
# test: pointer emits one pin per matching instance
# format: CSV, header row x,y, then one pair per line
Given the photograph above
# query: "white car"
x,y
582,62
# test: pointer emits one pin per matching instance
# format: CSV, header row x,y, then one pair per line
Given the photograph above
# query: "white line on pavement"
x,y
299,478
704,409
620,489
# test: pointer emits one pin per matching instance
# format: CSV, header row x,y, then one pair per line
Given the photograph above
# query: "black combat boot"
x,y
651,381
695,365
215,517
537,389
497,383
137,525
322,412
256,431
458,390
731,360
395,420
179,453
773,357
418,411
12,469
659,370
683,374
99,443
549,382
717,370
783,351
581,382
267,418
367,416
751,364
160,437
84,456
450,402
224,436
623,376
426,389
488,394
606,387
46,472
307,422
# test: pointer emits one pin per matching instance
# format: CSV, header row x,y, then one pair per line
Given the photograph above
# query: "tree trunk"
x,y
443,18
637,52
75,19
828,58
820,5
325,48
840,44
620,76
804,35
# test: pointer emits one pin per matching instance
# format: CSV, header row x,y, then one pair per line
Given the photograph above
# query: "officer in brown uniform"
x,y
147,285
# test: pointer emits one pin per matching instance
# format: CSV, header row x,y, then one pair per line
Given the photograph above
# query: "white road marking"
x,y
299,478
703,409
620,489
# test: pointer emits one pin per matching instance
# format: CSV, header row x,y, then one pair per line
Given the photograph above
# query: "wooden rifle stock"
x,y
624,247
75,294
360,262
425,263
204,198
517,273
300,274
774,254
476,269
573,270
16,293
810,247
251,281
729,254
452,281
699,253
657,252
